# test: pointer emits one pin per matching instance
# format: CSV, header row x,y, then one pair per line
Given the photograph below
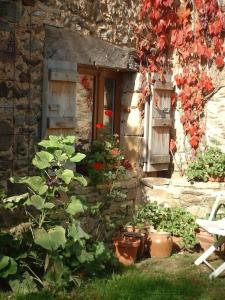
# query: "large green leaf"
x,y
76,232
42,160
69,139
36,183
60,156
49,205
52,142
52,239
24,286
16,199
83,256
10,268
77,157
67,175
80,178
36,201
75,206
4,261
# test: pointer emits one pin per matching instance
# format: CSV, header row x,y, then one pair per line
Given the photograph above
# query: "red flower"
x,y
98,166
115,151
99,125
108,112
126,164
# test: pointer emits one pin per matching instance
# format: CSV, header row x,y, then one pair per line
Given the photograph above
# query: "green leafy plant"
x,y
207,164
49,247
106,166
177,221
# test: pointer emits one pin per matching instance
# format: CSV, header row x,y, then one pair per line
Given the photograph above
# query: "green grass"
x,y
174,278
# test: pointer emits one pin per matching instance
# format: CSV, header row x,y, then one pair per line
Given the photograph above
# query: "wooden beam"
x,y
161,122
159,159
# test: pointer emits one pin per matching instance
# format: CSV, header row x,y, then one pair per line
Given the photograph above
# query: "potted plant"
x,y
126,249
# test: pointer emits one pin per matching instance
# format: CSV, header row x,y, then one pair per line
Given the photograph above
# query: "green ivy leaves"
x,y
75,206
52,239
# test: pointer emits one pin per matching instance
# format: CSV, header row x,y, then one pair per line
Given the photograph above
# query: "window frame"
x,y
98,96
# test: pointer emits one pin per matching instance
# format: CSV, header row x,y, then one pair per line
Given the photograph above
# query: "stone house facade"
x,y
63,63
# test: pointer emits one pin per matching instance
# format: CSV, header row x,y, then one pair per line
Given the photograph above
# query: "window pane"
x,y
84,111
109,96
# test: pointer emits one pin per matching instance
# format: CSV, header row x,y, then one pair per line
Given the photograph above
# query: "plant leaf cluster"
x,y
206,165
177,221
49,248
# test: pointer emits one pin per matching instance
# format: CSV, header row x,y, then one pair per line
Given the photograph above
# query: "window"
x,y
105,92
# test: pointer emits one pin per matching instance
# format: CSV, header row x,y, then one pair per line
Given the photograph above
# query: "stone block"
x,y
7,70
131,82
155,181
21,144
20,167
132,123
6,89
132,146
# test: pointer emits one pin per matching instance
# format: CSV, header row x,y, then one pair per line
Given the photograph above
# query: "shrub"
x,y
49,248
177,221
210,163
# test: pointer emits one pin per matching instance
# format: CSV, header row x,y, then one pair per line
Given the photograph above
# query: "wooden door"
x,y
157,143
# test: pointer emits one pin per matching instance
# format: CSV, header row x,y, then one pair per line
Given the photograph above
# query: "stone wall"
x,y
22,35
197,198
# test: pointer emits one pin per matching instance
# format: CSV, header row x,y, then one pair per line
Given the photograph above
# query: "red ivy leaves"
x,y
219,61
167,25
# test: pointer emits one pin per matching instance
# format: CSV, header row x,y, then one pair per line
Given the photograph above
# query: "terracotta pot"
x,y
216,179
126,249
161,244
130,228
204,238
177,243
139,236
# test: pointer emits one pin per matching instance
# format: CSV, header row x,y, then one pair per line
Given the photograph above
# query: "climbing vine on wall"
x,y
190,32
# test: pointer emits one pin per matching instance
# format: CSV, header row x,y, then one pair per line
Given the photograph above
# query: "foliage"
x,y
177,221
207,164
193,31
49,248
105,165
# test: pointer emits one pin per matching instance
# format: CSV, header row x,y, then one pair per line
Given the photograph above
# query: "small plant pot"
x,y
125,249
204,238
142,238
178,244
161,244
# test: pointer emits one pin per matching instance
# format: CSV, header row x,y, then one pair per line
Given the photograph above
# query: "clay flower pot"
x,y
125,249
177,243
204,238
161,244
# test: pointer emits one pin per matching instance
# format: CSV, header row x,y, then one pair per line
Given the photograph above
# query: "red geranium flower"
x,y
115,151
99,125
98,166
108,112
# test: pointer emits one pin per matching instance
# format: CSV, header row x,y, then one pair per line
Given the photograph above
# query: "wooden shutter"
x,y
59,97
157,133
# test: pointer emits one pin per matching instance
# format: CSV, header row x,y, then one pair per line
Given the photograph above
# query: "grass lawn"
x,y
174,278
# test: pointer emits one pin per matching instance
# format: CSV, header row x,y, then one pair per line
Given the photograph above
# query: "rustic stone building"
x,y
62,63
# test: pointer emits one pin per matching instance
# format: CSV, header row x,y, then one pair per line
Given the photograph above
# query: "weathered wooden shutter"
x,y
157,128
59,97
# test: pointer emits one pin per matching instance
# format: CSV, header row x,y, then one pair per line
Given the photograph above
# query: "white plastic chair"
x,y
216,228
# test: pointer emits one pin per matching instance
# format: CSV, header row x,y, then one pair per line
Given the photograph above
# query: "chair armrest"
x,y
220,200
